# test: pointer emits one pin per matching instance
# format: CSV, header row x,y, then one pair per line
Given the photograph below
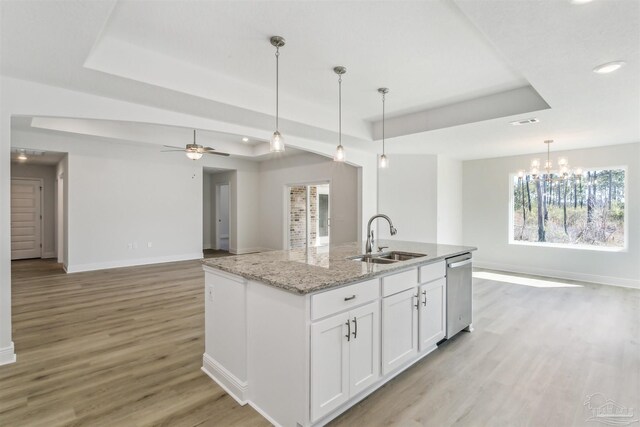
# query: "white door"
x,y
364,348
329,364
432,313
399,329
25,219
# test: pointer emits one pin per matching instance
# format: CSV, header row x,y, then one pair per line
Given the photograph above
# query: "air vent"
x,y
524,122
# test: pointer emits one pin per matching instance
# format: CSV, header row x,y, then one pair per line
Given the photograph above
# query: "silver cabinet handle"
x,y
350,298
417,302
355,328
459,264
348,331
424,303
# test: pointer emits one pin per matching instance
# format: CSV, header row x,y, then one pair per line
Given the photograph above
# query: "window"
x,y
586,210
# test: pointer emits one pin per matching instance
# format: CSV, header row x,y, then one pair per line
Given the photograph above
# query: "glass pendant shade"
x,y
194,155
521,173
383,162
276,145
535,171
535,163
339,156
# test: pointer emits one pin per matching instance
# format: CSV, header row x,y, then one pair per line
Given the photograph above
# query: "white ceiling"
x,y
161,136
438,57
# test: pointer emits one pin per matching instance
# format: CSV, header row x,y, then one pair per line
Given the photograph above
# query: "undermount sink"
x,y
373,259
387,257
400,256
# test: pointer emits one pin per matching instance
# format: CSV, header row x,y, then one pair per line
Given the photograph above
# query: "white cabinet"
x,y
432,313
413,320
329,364
399,329
345,358
364,348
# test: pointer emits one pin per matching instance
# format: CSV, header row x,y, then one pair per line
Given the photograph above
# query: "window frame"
x,y
625,248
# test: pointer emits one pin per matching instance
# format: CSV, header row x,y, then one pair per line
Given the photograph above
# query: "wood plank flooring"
x,y
123,347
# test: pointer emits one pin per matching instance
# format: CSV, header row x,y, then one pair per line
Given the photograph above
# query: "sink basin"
x,y
387,257
399,256
374,259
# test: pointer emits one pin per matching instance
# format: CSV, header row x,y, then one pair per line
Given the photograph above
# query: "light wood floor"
x,y
123,347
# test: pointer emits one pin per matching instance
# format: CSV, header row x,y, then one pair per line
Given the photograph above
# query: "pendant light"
x,y
276,144
339,156
383,162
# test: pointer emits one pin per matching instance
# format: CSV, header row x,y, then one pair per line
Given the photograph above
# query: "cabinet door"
x,y
399,329
329,364
433,316
364,348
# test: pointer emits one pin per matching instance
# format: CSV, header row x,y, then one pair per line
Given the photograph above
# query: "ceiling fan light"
x,y
339,156
194,155
22,156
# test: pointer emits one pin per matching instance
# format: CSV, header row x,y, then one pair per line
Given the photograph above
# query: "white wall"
x,y
449,203
48,175
276,174
62,216
486,220
407,193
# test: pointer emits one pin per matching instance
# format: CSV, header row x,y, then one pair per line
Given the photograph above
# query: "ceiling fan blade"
x,y
173,146
217,153
171,151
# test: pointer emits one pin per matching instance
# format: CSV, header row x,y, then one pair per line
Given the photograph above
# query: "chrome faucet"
x,y
392,230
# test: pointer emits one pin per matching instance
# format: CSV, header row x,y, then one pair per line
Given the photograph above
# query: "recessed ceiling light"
x,y
580,1
525,122
22,156
609,67
245,139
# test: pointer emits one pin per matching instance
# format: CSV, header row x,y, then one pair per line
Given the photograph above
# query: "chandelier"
x,y
547,172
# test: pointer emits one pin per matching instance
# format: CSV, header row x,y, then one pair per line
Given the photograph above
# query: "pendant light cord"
x,y
383,96
277,83
340,110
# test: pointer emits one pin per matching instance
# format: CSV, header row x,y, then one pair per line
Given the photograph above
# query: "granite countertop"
x,y
303,271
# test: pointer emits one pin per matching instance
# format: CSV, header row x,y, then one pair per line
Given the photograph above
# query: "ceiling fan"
x,y
195,151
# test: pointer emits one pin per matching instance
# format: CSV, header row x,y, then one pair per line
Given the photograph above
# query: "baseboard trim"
x,y
132,262
7,355
568,275
225,379
243,251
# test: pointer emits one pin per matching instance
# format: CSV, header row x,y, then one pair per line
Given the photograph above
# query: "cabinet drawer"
x,y
340,299
431,272
398,282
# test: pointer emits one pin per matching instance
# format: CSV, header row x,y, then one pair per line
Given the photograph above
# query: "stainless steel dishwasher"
x,y
459,294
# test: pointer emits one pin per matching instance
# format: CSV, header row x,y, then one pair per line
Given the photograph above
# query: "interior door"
x,y
364,349
432,313
329,364
26,219
399,329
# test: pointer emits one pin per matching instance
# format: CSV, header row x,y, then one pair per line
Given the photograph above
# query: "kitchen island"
x,y
304,334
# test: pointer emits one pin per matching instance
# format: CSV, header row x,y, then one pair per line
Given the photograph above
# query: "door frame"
x,y
216,216
41,185
286,234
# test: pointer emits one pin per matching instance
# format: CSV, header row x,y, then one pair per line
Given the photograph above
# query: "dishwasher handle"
x,y
459,264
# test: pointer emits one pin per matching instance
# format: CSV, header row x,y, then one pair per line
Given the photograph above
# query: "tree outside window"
x,y
583,210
